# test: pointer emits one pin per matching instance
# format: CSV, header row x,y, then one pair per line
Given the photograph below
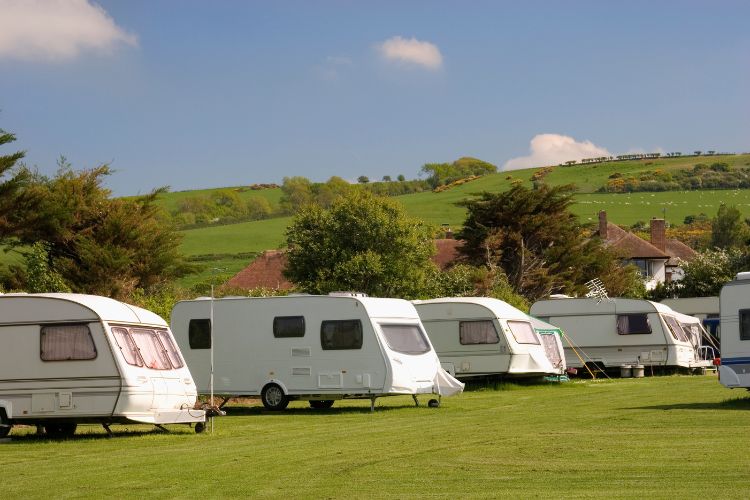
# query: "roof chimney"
x,y
603,224
659,234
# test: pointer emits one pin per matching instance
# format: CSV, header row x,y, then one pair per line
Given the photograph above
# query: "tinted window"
x,y
407,339
288,326
477,332
745,324
199,333
341,334
66,343
523,332
632,324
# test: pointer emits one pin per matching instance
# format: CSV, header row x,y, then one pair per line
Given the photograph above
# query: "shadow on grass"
x,y
238,411
125,433
727,404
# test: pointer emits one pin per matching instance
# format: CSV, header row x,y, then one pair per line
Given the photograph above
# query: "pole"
x,y
211,331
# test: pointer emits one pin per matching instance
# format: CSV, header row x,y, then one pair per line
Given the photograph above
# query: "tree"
x,y
401,178
97,244
296,193
445,173
386,178
10,188
361,243
708,271
363,179
536,241
728,230
258,208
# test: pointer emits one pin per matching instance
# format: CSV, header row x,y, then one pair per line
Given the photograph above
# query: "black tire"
x,y
200,427
321,404
433,403
5,430
61,430
273,397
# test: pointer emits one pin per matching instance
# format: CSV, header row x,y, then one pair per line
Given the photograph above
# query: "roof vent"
x,y
743,276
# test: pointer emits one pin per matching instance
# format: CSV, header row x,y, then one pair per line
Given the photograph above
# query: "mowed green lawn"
x,y
663,437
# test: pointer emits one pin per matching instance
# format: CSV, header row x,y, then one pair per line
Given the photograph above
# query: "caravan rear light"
x,y
717,361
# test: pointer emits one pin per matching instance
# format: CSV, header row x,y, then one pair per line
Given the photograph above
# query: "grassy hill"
x,y
218,244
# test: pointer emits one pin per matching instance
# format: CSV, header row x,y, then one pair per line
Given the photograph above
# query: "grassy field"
x,y
663,437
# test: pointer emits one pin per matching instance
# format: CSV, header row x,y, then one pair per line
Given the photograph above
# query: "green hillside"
x,y
217,244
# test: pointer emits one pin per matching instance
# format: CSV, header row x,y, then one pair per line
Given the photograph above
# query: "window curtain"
x,y
67,342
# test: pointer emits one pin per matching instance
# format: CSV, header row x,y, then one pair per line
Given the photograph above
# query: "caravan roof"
x,y
577,306
497,307
59,306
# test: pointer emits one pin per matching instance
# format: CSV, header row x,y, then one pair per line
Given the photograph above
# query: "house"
x,y
267,270
658,259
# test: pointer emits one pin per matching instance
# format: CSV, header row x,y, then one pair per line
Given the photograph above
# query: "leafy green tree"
x,y
258,208
536,241
363,179
10,188
708,271
401,178
98,244
445,173
728,230
296,193
386,178
40,277
361,243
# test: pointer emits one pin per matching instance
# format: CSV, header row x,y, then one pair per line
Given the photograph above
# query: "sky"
x,y
192,94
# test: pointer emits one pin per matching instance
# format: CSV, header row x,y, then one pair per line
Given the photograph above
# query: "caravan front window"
x,y
127,346
172,351
152,352
676,329
477,332
406,339
523,332
66,343
341,334
633,324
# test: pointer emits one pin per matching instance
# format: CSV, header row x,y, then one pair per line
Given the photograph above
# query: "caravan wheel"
x,y
321,404
273,397
5,430
62,430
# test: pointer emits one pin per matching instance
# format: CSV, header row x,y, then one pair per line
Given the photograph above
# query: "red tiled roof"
x,y
678,250
266,271
631,246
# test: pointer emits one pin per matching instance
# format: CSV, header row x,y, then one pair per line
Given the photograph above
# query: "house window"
x,y
645,266
407,339
744,324
66,343
341,334
288,326
199,333
633,324
477,332
523,332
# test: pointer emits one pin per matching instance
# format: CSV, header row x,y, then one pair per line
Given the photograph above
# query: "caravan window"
x,y
477,332
633,324
172,351
675,328
153,354
407,339
199,333
288,326
341,334
744,324
127,346
67,343
523,332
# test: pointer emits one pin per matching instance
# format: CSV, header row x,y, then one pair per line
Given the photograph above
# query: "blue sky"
x,y
205,94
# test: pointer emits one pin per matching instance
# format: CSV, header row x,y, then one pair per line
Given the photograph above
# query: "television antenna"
x,y
597,290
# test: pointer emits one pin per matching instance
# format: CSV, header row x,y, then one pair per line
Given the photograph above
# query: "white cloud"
x,y
553,149
57,30
411,51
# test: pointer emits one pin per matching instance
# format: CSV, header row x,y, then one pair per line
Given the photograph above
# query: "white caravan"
x,y
69,359
476,336
308,347
616,332
734,370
